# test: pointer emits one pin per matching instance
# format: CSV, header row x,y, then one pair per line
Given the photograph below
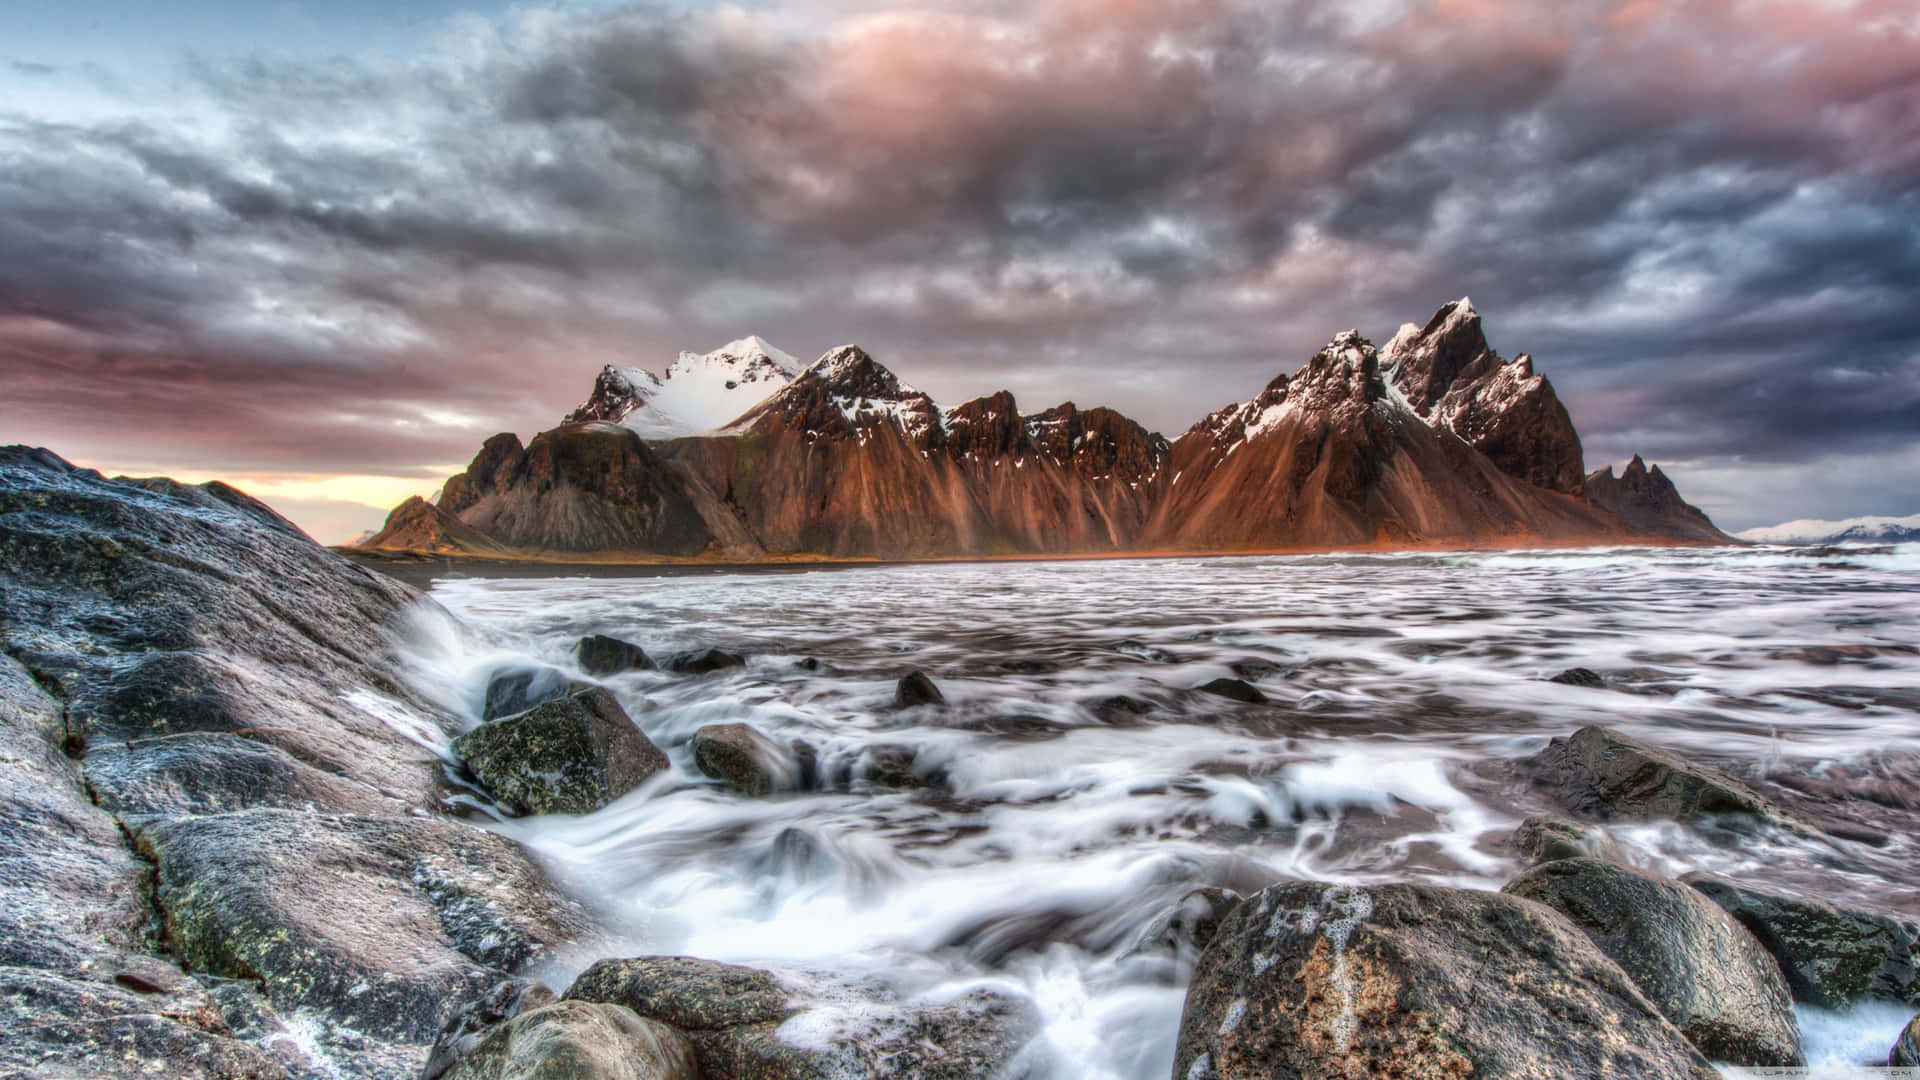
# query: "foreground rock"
x,y
598,654
518,689
381,923
705,661
577,1040
1544,839
749,1024
1906,1051
1234,690
184,669
1832,957
746,760
916,689
1313,980
571,756
1704,971
74,913
1600,773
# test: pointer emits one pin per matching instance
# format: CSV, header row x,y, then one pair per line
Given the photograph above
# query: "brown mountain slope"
x,y
1449,376
1648,501
1330,458
579,488
848,461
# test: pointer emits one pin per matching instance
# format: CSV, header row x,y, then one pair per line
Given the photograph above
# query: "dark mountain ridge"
x,y
1433,440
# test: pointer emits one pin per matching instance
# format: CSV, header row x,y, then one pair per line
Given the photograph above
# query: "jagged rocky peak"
x,y
1426,360
987,428
1098,443
1454,381
844,392
699,393
1648,501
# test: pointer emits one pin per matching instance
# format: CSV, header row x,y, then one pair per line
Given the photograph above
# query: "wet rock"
x,y
1313,980
689,993
1579,676
1600,773
1544,839
183,669
599,655
1703,970
705,661
570,756
382,923
1120,709
215,772
518,689
749,1023
1234,689
78,996
1906,1051
746,760
1197,917
917,689
473,1022
1832,957
578,1040
889,765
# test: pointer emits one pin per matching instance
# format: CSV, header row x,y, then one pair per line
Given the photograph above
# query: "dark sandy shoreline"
x,y
422,569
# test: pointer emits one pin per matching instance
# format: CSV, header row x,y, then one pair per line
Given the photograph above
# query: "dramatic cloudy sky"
x,y
323,249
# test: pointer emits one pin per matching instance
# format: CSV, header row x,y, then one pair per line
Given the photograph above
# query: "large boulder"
x,y
1906,1050
598,654
1703,970
1832,957
74,914
1416,981
1234,690
749,1024
1544,839
916,689
184,670
470,1024
579,1040
746,760
705,662
521,687
573,755
1600,773
382,922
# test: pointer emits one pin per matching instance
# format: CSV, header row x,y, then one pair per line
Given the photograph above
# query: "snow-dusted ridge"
x,y
699,393
1870,529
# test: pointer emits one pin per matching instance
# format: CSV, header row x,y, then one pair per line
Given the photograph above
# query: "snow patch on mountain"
x,y
1870,529
699,393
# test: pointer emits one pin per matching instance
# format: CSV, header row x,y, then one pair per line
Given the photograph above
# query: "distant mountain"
x,y
1333,456
1875,530
1446,373
700,392
744,454
1648,501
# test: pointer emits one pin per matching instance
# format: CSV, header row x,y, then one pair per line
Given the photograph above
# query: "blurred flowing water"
x,y
1081,786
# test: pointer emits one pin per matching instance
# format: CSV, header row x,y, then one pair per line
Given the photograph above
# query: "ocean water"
x,y
1059,828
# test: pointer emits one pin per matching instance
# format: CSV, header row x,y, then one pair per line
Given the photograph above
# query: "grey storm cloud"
x,y
1704,223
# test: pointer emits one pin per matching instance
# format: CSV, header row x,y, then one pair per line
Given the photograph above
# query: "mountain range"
x,y
1859,530
744,454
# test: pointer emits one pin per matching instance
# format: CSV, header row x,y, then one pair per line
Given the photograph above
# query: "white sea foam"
x,y
1069,827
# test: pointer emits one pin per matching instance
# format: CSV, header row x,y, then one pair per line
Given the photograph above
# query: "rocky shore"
x,y
236,841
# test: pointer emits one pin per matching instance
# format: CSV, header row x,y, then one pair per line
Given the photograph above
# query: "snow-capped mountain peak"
x,y
1870,529
699,393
